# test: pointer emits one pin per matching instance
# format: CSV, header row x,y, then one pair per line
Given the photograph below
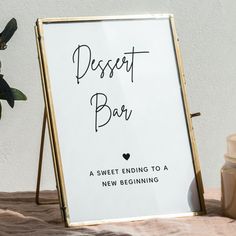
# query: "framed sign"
x,y
119,123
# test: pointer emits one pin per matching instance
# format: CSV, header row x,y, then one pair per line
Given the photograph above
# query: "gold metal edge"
x,y
46,115
132,219
51,123
100,18
196,162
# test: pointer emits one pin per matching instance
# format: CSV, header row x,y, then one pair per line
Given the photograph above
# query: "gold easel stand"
x,y
37,199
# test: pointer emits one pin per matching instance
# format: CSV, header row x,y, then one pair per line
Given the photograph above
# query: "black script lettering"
x,y
102,106
77,50
101,65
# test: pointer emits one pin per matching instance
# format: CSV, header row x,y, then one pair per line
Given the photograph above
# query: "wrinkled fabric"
x,y
19,215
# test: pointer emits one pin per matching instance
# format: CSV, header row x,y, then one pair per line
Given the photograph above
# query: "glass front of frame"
x,y
116,100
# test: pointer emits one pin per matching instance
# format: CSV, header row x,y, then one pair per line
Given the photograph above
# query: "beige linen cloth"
x,y
19,215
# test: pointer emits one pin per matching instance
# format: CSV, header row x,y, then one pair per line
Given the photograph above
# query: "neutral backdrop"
x,y
207,32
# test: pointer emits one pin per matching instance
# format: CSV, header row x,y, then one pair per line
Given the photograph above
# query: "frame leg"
x,y
37,199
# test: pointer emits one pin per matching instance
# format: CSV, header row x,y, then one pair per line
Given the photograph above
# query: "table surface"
x,y
19,215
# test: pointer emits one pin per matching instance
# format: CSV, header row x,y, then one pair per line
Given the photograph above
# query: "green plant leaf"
x,y
0,110
6,91
18,95
7,33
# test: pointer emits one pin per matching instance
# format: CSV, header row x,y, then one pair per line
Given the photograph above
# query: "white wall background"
x,y
208,44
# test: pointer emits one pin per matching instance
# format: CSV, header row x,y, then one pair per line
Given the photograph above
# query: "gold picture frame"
x,y
49,116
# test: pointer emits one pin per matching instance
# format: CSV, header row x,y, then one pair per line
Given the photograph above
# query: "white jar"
x,y
228,179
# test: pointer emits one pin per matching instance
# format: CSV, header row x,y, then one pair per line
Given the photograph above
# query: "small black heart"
x,y
126,156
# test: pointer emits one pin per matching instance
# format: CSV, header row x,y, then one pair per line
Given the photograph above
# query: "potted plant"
x,y
6,92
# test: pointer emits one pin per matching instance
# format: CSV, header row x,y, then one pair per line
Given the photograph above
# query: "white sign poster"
x,y
121,132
